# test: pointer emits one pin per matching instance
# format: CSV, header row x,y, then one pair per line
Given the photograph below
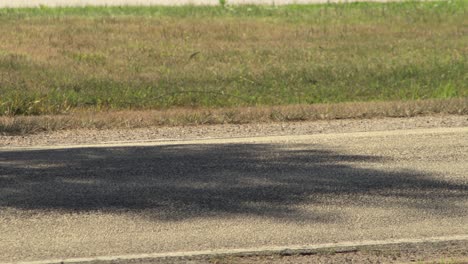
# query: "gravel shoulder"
x,y
437,252
90,136
441,252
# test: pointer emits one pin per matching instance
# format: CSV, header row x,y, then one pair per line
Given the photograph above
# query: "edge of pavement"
x,y
339,247
240,140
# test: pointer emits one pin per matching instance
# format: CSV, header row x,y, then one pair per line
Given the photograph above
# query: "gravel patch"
x,y
446,252
89,136
439,252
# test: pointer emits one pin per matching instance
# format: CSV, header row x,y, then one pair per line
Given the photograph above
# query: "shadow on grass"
x,y
189,181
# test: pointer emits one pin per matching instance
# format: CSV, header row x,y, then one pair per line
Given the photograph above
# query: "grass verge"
x,y
21,125
56,61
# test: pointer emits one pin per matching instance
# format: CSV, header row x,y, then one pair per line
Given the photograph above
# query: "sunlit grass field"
x,y
60,60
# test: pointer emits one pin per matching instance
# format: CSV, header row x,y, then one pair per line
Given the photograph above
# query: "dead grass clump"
x,y
239,115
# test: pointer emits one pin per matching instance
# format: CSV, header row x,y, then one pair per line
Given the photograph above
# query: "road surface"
x,y
176,196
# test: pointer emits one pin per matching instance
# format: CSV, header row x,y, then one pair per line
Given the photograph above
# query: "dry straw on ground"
x,y
240,115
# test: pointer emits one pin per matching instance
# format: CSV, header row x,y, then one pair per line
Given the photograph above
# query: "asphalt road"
x,y
64,202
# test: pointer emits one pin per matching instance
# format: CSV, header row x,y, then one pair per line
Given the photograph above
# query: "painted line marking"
x,y
243,140
251,251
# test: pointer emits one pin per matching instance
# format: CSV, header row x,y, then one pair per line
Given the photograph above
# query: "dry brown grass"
x,y
53,61
239,115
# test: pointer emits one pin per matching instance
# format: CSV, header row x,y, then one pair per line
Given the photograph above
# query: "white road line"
x,y
252,251
242,140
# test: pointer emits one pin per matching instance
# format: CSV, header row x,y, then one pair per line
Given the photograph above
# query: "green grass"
x,y
57,60
412,10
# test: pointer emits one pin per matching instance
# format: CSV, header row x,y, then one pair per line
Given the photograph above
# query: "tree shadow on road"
x,y
187,181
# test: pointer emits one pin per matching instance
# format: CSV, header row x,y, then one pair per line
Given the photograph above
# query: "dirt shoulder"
x,y
442,252
433,252
91,136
